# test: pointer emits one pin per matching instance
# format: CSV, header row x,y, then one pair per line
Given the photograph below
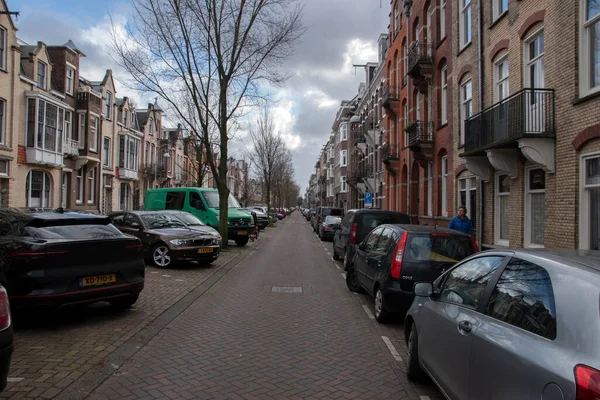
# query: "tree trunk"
x,y
222,181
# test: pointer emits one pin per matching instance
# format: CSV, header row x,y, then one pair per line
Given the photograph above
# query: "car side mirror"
x,y
423,289
136,225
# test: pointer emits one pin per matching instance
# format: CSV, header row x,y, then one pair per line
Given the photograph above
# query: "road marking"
x,y
179,280
343,275
392,349
154,272
328,253
167,276
14,380
369,313
338,267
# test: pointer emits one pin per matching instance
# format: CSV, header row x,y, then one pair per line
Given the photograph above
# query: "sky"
x,y
339,33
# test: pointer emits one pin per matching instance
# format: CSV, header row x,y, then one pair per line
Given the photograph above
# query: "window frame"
x,y
497,9
527,220
444,176
466,13
3,52
2,121
344,132
70,89
81,129
128,196
343,158
344,188
443,20
108,105
106,153
586,51
464,102
584,201
94,133
501,92
469,187
45,76
429,189
46,180
79,185
91,185
5,173
497,195
444,95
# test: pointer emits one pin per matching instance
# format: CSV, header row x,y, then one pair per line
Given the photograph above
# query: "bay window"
x,y
45,125
589,42
93,133
128,152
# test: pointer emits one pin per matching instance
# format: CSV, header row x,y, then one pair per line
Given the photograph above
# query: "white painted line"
x,y
343,275
338,267
179,280
14,380
328,253
392,349
167,276
154,272
424,397
369,313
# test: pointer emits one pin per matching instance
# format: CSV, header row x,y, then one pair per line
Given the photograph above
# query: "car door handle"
x,y
465,326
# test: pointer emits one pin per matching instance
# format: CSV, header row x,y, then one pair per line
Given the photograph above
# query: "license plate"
x,y
97,280
205,250
242,233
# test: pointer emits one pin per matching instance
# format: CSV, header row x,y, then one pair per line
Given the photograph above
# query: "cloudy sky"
x,y
339,33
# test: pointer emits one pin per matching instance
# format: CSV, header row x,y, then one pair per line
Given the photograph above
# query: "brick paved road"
x,y
241,340
68,354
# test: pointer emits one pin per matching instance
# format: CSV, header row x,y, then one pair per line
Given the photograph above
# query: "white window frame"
x,y
28,188
108,105
396,18
91,185
465,23
344,185
4,171
584,201
468,189
45,78
444,168
586,29
81,126
405,54
444,97
501,84
3,52
443,20
497,195
344,132
464,103
106,153
2,121
539,60
41,130
499,8
94,133
429,189
527,228
79,185
150,126
70,80
127,197
344,158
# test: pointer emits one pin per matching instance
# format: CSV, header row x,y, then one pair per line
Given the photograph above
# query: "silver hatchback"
x,y
512,324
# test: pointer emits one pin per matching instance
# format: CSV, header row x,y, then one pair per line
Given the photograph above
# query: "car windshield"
x,y
212,199
189,219
333,220
158,221
369,221
445,248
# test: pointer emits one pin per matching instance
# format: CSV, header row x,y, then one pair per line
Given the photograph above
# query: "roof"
x,y
72,46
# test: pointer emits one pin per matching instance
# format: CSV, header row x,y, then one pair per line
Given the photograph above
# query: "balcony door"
x,y
534,100
501,92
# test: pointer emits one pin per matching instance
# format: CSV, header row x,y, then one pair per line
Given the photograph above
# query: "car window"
x,y
523,297
118,220
130,219
347,220
466,283
325,211
79,231
371,240
175,200
194,199
385,241
434,247
332,220
369,221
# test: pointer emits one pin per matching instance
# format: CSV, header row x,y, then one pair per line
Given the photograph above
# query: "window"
x,y
405,123
68,126
70,79
152,154
405,57
82,135
466,101
2,121
91,180
125,118
2,48
79,186
429,190
502,217
444,105
147,155
371,241
443,20
344,186
465,23
396,18
500,7
344,131
108,106
590,46
125,197
523,297
175,200
467,196
106,152
444,186
45,125
344,158
93,134
41,72
128,152
466,283
535,207
501,79
150,127
3,168
39,190
589,212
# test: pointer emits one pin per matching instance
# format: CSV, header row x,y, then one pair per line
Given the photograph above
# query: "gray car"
x,y
510,324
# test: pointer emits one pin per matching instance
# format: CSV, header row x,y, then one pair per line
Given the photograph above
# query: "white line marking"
x,y
178,280
392,349
369,313
424,397
14,380
154,272
343,275
167,276
328,253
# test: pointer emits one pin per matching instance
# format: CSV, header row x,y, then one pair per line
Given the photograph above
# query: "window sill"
x,y
442,40
498,19
502,244
589,96
3,70
465,47
79,203
5,147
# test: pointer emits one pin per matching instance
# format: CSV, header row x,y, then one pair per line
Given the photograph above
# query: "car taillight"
x,y
4,310
475,244
353,233
36,253
587,383
398,256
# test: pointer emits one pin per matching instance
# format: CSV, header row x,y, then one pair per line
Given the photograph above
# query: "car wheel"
x,y
335,254
381,315
242,241
414,372
348,265
123,303
352,282
160,256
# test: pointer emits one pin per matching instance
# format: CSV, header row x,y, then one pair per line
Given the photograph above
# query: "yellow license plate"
x,y
98,280
205,250
242,233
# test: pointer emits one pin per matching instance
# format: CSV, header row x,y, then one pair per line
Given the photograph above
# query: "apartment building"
x,y
237,179
340,162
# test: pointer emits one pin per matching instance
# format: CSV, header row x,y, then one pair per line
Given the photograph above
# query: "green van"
x,y
204,204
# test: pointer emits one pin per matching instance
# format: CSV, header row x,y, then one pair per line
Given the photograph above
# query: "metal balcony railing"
x,y
390,153
420,133
419,53
527,113
71,147
364,171
390,94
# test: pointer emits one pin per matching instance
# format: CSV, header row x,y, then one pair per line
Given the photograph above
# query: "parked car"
x,y
329,226
393,257
261,218
6,338
262,209
357,224
310,214
166,239
203,203
55,259
194,223
518,324
321,213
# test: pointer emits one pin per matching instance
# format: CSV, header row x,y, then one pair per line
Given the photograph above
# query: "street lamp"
x,y
166,155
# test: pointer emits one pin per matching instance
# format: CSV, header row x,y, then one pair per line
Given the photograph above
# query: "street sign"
x,y
368,199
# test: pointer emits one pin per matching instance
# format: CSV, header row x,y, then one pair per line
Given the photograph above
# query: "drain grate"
x,y
286,289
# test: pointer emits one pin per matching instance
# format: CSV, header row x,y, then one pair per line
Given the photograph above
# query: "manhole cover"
x,y
286,289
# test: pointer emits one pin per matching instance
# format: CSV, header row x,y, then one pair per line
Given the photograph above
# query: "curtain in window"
x,y
538,217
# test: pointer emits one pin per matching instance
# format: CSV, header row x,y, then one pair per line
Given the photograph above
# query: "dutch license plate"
x,y
97,280
242,233
205,250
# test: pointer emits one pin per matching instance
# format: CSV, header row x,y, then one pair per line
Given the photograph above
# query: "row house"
x,y
341,158
237,179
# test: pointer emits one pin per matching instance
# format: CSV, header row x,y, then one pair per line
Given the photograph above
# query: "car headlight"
x,y
178,242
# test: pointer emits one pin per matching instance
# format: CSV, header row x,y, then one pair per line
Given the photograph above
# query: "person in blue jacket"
x,y
461,222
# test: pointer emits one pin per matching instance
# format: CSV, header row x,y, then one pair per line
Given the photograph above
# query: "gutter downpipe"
x,y
409,166
480,210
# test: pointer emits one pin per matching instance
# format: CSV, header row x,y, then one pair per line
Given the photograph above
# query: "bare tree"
x,y
206,59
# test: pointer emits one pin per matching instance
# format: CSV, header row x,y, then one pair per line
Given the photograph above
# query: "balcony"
x,y
420,135
151,170
390,154
45,157
71,147
127,174
420,59
390,97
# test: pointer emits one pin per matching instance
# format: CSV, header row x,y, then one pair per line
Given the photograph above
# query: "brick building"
x,y
341,157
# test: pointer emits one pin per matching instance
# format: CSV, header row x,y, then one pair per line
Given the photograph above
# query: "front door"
x,y
535,100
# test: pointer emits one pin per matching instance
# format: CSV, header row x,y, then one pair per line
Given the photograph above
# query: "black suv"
x,y
356,225
392,258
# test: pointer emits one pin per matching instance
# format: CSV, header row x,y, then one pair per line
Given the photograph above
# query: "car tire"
x,y
414,372
335,254
381,315
352,282
124,303
348,265
242,241
160,257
